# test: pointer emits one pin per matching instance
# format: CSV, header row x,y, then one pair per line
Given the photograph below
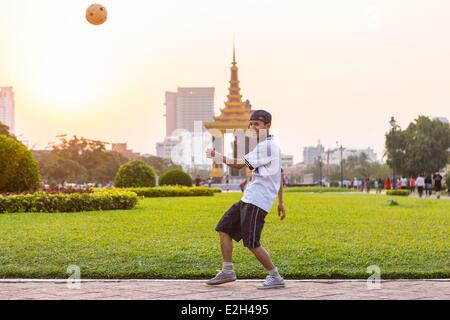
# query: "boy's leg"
x,y
228,228
227,273
274,280
226,245
263,257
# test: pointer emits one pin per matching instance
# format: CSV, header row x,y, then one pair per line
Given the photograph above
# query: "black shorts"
x,y
243,221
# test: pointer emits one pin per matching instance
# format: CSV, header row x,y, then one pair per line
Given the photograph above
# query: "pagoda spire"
x,y
234,53
235,109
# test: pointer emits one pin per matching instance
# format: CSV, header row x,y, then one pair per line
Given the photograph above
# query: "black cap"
x,y
261,115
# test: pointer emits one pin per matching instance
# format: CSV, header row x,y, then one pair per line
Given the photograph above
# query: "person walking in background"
x,y
380,185
243,184
437,184
420,183
227,182
198,181
376,185
388,184
428,186
404,183
399,184
412,185
355,184
368,182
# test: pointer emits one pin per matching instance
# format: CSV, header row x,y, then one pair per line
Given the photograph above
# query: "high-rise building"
x,y
194,104
171,112
186,106
7,108
310,154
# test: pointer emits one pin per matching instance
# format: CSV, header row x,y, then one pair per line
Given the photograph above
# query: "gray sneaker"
x,y
223,276
272,283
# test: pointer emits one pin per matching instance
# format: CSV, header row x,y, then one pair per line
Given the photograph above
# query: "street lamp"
x,y
341,148
319,158
394,125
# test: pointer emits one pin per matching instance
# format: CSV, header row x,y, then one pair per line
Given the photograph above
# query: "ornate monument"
x,y
233,119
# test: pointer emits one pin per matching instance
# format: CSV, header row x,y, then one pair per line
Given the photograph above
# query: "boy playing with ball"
x,y
245,219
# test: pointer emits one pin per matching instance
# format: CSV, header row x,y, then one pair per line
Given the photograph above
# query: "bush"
x,y
173,192
135,174
18,170
43,202
402,193
175,177
447,182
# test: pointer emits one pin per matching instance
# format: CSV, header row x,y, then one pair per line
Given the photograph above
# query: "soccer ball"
x,y
96,14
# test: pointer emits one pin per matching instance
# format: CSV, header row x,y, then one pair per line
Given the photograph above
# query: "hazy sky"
x,y
329,70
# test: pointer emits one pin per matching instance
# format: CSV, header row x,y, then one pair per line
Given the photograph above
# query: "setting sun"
x,y
65,76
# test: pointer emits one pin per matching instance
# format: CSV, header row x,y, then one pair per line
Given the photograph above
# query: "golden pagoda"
x,y
235,116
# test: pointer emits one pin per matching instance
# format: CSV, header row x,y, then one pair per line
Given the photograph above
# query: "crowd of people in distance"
x,y
422,184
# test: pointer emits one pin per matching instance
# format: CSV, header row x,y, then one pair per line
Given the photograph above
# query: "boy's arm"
x,y
281,208
233,163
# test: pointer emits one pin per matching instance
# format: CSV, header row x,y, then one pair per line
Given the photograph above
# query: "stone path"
x,y
240,290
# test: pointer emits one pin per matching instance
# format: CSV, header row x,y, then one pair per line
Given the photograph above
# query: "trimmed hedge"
x,y
402,193
173,191
43,202
175,177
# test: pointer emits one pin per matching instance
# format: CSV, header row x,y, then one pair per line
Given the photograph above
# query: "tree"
x,y
161,165
76,148
81,160
135,174
18,169
4,130
104,166
421,148
56,169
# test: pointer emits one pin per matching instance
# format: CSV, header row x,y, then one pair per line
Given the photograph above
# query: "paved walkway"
x,y
240,290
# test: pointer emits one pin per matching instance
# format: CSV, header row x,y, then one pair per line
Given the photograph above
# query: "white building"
x,y
287,161
335,155
442,119
186,150
7,108
164,149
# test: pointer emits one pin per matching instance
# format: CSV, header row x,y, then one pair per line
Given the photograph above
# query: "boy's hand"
x,y
281,211
210,153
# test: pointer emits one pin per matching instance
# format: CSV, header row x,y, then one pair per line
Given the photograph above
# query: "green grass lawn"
x,y
318,189
324,236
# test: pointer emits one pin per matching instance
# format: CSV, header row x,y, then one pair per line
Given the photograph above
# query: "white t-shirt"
x,y
265,161
404,182
420,181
